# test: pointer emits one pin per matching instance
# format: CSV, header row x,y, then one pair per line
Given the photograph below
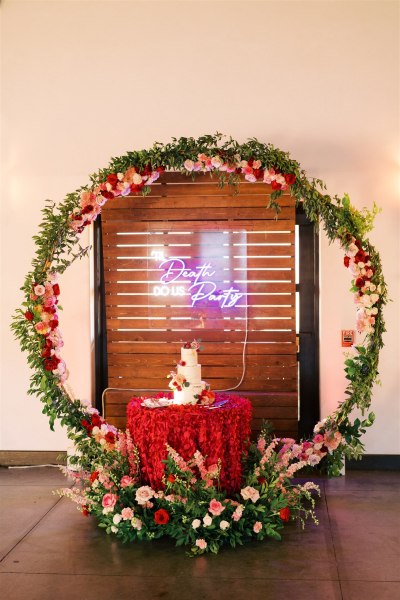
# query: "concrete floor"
x,y
49,551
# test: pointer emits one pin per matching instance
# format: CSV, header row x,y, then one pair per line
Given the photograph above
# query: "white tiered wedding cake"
x,y
186,382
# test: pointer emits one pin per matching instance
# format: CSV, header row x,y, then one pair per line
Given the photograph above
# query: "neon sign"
x,y
201,289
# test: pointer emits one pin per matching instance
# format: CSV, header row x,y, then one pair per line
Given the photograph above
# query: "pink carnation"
x,y
202,544
216,507
127,513
257,527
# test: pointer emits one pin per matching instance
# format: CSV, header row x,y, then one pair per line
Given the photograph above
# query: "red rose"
x,y
284,514
359,282
110,437
106,194
85,511
136,187
87,209
50,364
171,478
46,352
346,261
258,173
29,315
290,178
56,289
275,185
112,179
160,169
161,517
94,476
261,480
360,256
53,324
96,420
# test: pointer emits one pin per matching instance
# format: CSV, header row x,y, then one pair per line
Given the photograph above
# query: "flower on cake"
x,y
177,382
206,397
195,345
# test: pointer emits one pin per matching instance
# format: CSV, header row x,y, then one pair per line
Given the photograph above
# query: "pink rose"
x,y
143,494
127,513
250,493
257,527
202,544
189,165
126,481
39,290
237,515
216,507
109,500
318,439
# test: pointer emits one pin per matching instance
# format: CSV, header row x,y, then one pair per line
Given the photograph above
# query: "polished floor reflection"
x,y
48,551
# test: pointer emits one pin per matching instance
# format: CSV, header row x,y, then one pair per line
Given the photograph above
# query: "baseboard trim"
x,y
378,462
22,458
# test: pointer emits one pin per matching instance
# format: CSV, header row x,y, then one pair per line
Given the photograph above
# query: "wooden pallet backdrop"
x,y
145,332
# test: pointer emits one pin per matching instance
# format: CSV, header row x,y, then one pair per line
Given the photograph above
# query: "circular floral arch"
x,y
191,508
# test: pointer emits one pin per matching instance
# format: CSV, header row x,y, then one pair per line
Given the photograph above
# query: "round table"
x,y
221,433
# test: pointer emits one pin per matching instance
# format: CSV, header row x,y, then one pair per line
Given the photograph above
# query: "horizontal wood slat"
x,y
121,226
172,348
248,247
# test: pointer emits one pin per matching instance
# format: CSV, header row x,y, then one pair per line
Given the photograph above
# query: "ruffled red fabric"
x,y
218,433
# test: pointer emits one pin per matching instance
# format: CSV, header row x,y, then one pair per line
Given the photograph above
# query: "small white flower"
x,y
196,523
207,520
114,529
117,519
224,525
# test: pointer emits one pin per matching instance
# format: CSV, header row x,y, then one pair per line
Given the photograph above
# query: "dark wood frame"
x,y
308,356
100,327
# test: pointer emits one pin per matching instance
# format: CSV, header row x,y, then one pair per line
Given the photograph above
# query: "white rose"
x,y
224,525
189,165
117,519
137,179
196,523
114,529
207,520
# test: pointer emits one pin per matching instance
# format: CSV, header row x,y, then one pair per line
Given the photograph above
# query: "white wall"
x,y
84,81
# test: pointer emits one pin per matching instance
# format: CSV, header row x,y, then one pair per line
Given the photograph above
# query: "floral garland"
x,y
191,508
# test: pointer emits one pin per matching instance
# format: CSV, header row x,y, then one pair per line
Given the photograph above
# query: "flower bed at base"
x,y
191,508
108,464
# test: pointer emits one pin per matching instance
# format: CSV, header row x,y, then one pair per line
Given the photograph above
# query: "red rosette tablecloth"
x,y
218,433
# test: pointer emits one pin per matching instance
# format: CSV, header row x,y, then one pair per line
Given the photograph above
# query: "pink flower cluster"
x,y
251,169
367,297
44,315
105,434
177,382
116,184
208,474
